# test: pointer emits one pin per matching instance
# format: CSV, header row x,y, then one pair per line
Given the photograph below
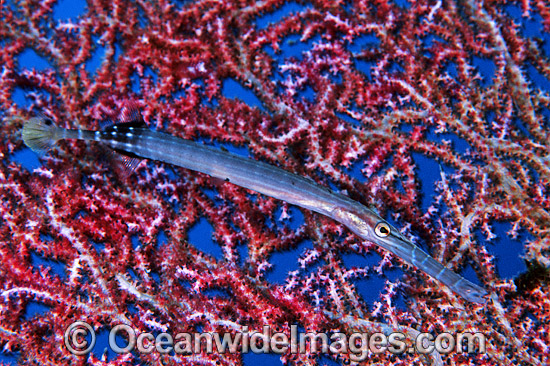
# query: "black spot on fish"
x,y
125,127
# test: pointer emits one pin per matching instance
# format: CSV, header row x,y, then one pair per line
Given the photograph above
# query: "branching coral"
x,y
419,81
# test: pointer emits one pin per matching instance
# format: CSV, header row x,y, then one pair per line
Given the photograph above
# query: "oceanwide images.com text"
x,y
80,338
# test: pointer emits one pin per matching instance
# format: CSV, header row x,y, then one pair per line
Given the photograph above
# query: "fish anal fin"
x,y
124,163
130,163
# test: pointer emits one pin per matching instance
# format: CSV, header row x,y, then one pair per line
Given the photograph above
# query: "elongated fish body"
x,y
260,177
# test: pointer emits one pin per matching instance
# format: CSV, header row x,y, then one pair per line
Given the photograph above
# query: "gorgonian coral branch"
x,y
373,108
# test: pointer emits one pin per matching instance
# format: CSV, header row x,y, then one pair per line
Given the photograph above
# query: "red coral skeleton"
x,y
75,210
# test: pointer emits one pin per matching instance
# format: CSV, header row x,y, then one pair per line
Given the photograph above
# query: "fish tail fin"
x,y
40,134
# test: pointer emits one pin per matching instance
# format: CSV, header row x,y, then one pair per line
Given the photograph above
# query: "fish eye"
x,y
48,122
382,229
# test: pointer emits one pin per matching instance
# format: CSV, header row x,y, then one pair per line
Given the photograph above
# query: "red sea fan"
x,y
377,84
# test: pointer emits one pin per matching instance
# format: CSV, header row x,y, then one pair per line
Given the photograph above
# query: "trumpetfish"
x,y
134,140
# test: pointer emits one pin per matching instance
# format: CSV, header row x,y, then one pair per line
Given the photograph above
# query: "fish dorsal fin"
x,y
129,116
124,162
